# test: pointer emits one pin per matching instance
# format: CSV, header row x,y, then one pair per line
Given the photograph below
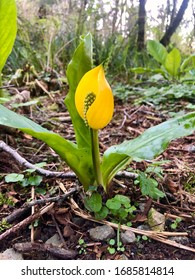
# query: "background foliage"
x,y
49,30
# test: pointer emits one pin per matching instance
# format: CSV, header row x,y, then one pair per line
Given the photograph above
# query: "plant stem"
x,y
118,235
96,156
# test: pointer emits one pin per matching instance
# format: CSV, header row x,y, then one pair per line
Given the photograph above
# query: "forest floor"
x,y
69,218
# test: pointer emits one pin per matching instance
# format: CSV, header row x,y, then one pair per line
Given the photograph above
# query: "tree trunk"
x,y
141,25
174,23
115,15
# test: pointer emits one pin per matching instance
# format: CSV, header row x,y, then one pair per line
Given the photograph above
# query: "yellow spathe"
x,y
100,112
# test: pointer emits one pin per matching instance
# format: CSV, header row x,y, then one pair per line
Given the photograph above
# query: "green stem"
x,y
96,156
1,91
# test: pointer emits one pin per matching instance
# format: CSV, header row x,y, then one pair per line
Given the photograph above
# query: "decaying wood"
x,y
56,251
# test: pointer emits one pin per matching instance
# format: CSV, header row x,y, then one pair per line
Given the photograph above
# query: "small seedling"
x,y
4,225
143,237
82,245
175,224
6,200
116,245
110,248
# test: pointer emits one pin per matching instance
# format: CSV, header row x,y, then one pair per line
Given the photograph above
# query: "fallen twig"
x,y
56,251
26,221
22,161
26,206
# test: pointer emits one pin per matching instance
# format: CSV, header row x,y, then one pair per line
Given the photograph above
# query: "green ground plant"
x,y
5,200
176,223
4,225
171,65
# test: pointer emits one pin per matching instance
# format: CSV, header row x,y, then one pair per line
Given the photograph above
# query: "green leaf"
x,y
172,62
14,177
78,66
187,61
141,70
157,50
79,160
122,199
41,191
113,204
149,186
102,214
35,180
8,24
39,165
94,202
112,163
147,146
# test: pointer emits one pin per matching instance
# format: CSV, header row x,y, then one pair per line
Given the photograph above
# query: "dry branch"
x,y
26,221
26,206
56,251
23,162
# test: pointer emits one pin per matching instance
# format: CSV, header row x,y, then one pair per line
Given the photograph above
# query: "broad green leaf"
x,y
113,204
94,202
102,214
79,160
78,66
157,50
14,177
35,180
187,61
147,146
172,62
8,28
123,199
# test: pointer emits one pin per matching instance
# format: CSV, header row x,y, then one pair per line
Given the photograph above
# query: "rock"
x,y
102,233
54,240
122,257
10,254
184,240
156,220
128,237
191,148
143,227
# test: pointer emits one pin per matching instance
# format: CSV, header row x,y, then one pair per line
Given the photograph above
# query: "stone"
x,y
54,240
122,257
184,240
128,237
102,233
11,254
143,227
156,220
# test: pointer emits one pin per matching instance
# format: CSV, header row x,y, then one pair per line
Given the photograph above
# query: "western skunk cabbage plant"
x,y
90,105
